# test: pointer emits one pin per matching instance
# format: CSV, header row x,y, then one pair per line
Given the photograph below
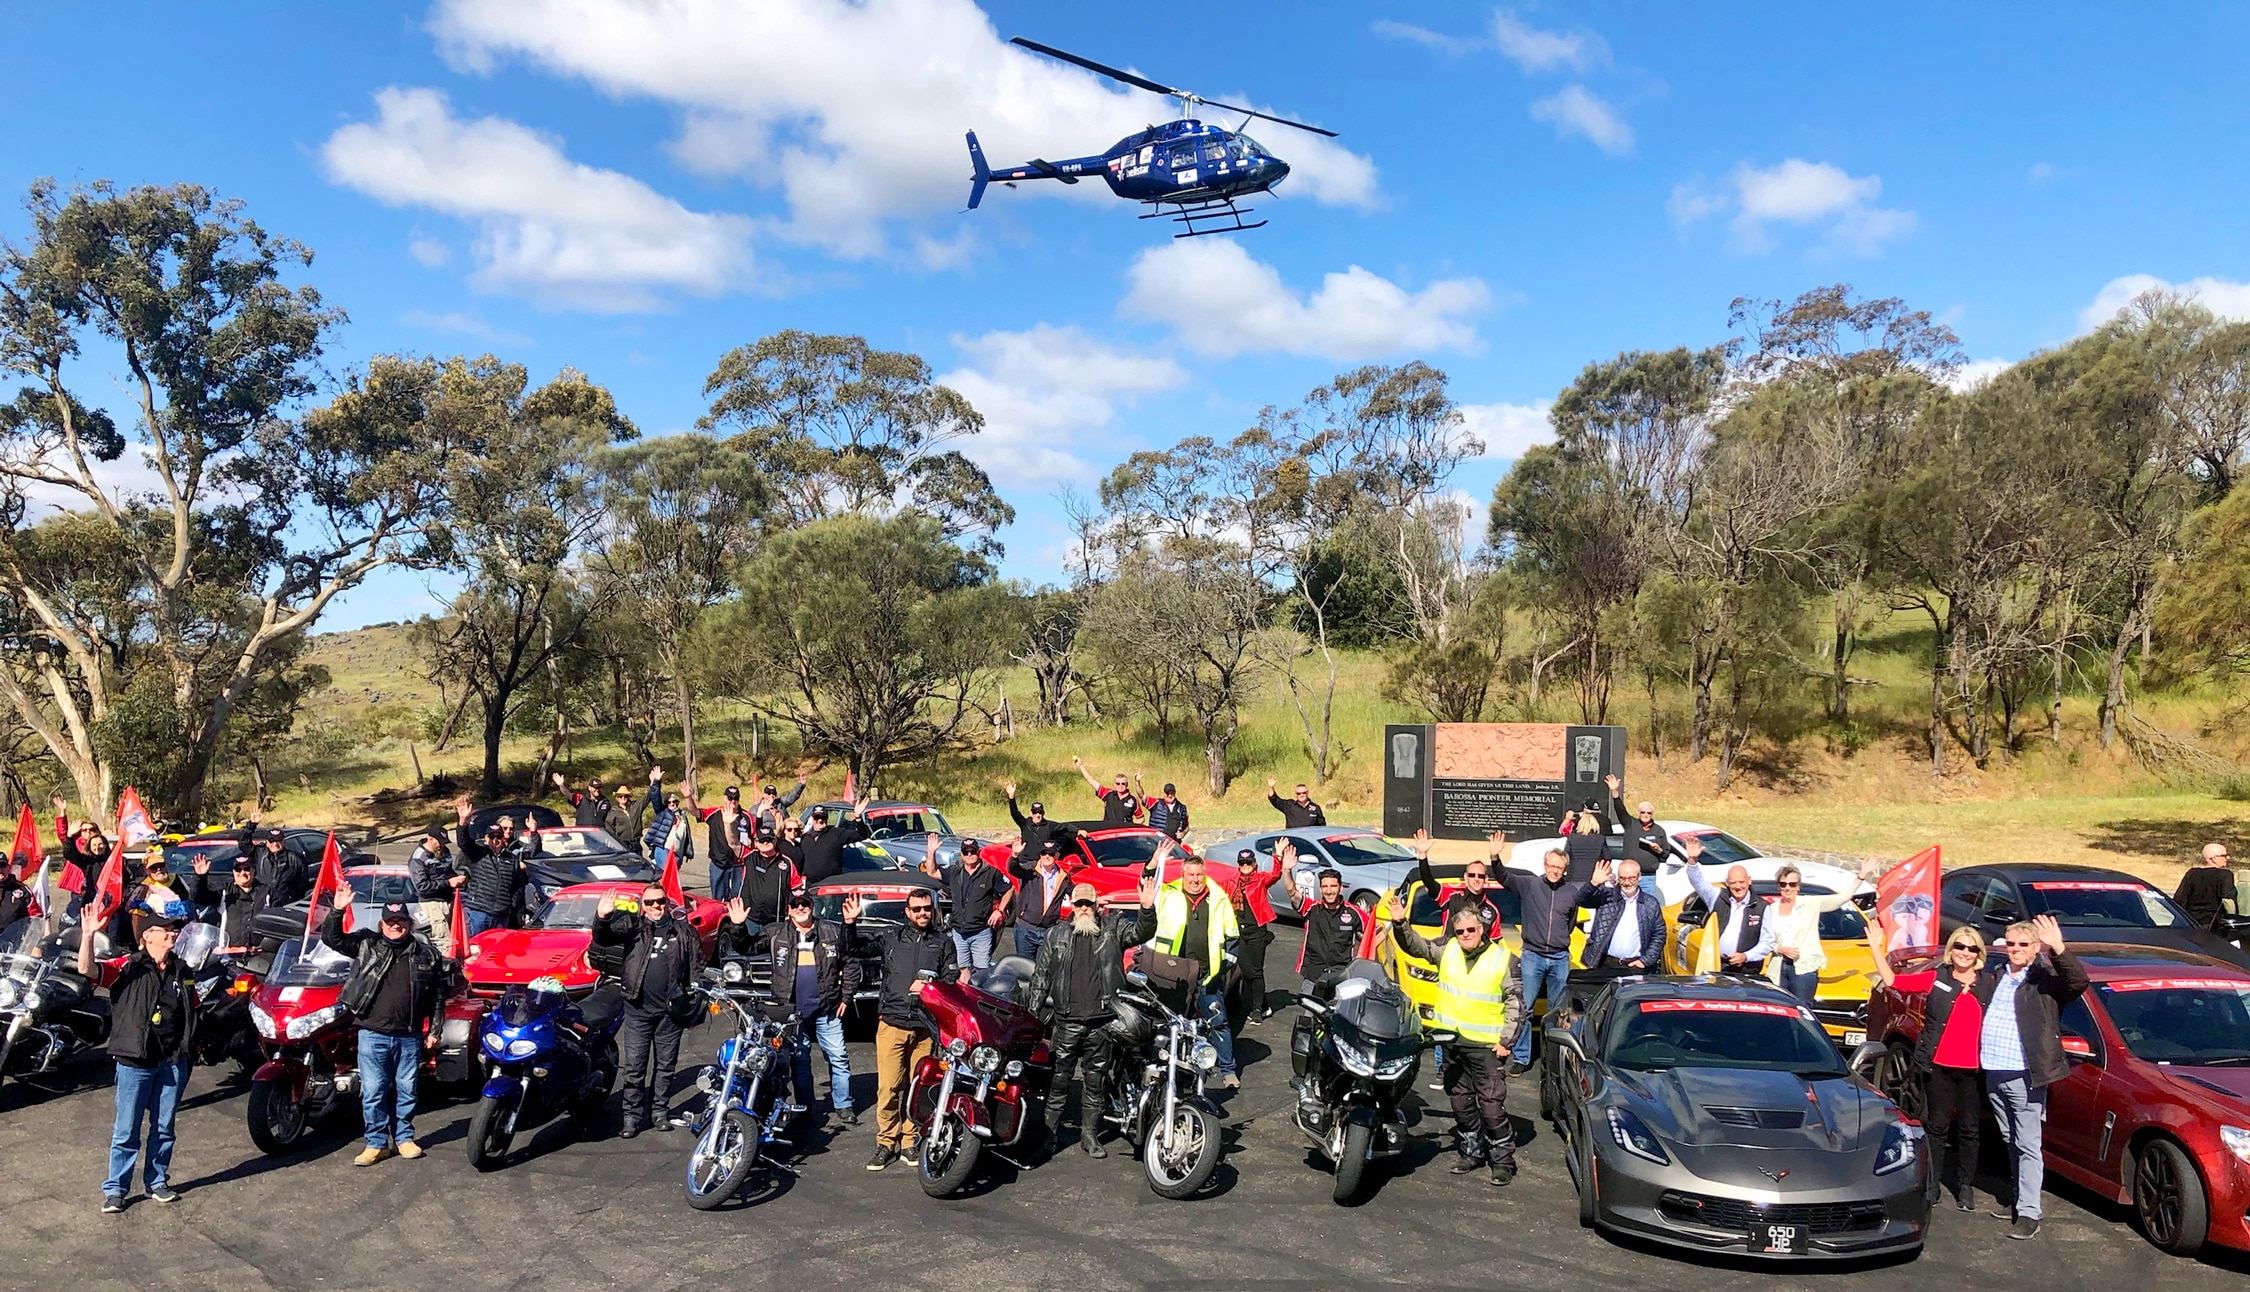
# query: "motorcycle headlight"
x,y
956,1047
1359,1060
984,1059
1013,1070
1393,1068
732,972
518,1049
263,1021
493,1043
1900,1148
11,993
1204,1055
1635,1138
305,1025
2237,1141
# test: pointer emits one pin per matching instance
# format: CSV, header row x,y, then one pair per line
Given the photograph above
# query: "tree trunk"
x,y
681,691
1215,762
495,726
1706,670
1940,662
2113,693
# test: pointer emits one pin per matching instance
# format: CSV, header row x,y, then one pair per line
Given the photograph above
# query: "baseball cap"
x,y
1170,788
274,834
820,814
1039,807
734,793
397,911
1050,847
1083,893
800,897
1246,857
162,921
765,832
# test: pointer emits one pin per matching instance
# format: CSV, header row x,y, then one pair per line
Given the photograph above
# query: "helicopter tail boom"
x,y
983,175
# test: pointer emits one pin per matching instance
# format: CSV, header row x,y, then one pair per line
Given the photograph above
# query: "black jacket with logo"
x,y
905,952
627,932
374,958
835,974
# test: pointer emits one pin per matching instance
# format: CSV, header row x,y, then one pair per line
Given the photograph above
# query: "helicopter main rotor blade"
x,y
1268,116
1115,74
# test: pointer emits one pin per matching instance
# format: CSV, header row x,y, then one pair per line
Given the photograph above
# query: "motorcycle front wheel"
x,y
1351,1168
277,1116
949,1154
722,1160
489,1135
1183,1169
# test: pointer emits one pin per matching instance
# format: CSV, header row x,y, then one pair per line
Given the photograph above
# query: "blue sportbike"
x,y
544,1056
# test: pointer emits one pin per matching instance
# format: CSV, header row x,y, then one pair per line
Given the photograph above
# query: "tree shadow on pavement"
x,y
2168,838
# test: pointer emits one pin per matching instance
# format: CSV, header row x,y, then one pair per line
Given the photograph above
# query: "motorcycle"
x,y
1355,1055
986,1084
223,988
1156,1095
746,1110
49,1013
311,1044
544,1055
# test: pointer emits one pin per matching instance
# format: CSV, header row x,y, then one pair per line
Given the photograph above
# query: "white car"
x,y
1720,850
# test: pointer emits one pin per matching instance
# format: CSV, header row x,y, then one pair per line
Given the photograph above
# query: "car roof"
x,y
2037,870
599,887
2108,961
856,880
377,868
1699,987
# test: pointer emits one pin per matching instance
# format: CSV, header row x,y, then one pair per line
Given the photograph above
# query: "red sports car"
x,y
1111,860
2156,1110
499,958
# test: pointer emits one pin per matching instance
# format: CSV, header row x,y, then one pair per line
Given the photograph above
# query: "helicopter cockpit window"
x,y
1215,151
1256,149
1238,150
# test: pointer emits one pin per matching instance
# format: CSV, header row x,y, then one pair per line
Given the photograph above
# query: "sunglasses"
x,y
920,910
1474,874
1085,906
656,902
1964,946
1788,883
2014,943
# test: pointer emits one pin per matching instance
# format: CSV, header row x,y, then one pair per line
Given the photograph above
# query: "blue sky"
x,y
634,189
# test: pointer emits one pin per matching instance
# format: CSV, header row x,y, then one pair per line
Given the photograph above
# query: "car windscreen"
x,y
565,844
879,912
1766,1035
1364,849
1719,847
903,823
378,888
2185,1022
1124,849
868,856
2113,904
573,912
180,858
1842,924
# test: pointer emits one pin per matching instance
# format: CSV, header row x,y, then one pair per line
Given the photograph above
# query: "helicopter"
x,y
1195,168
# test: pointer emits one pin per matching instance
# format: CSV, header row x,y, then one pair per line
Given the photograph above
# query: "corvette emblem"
x,y
1775,1176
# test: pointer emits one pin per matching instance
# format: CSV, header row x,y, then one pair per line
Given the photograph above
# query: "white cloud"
x,y
548,227
854,111
1535,50
1976,372
1045,390
1577,110
1221,302
428,251
1796,192
1423,36
2221,297
1508,429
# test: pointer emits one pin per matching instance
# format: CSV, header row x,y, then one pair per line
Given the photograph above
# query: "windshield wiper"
x,y
2221,1061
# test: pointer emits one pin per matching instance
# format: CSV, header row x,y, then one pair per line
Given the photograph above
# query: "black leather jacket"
x,y
372,957
1107,944
906,951
629,930
835,974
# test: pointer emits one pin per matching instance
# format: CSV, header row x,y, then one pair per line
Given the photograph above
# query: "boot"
x,y
1090,1139
1471,1153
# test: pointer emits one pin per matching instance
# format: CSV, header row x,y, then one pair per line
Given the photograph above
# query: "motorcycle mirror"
x,y
1441,1038
1136,977
1316,1008
925,975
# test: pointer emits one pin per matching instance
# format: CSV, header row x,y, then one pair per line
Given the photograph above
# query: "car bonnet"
x,y
1748,1108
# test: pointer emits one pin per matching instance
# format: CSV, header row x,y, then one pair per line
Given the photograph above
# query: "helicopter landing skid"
x,y
1220,214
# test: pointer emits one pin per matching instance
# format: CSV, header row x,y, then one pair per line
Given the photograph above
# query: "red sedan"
x,y
499,958
2156,1110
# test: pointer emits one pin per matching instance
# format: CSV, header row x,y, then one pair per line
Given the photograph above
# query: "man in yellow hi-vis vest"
x,y
1190,918
1480,996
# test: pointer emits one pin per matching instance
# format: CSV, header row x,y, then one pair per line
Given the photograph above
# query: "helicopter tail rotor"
x,y
983,175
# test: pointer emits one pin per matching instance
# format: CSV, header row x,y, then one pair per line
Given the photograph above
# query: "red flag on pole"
x,y
671,880
324,889
457,944
133,823
1906,902
109,890
851,790
24,855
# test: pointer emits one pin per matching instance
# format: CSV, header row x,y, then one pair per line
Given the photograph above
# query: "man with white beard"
x,y
1081,967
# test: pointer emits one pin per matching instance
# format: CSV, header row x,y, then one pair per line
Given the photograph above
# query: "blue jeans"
x,y
1542,973
973,950
1804,986
2021,1110
1214,1006
388,1066
1029,940
828,1031
144,1093
726,882
478,921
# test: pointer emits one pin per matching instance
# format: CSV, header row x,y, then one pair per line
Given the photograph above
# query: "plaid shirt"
x,y
2001,1042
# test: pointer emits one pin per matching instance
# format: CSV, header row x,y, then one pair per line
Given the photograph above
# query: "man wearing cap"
x,y
1250,889
432,873
659,956
280,871
393,989
1079,971
1036,829
824,843
979,896
912,954
1645,840
622,819
1040,901
496,873
1298,812
767,878
772,806
809,965
1121,800
1167,813
238,899
727,830
152,1038
587,808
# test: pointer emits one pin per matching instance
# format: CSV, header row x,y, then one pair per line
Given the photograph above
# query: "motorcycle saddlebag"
x,y
1175,980
1301,1045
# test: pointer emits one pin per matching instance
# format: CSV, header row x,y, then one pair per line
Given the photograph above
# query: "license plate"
x,y
1777,1240
1855,1038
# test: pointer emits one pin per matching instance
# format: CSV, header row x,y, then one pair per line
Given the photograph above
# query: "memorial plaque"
x,y
1463,780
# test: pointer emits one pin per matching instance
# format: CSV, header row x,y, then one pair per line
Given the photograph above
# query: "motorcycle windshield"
x,y
296,966
21,938
195,944
1378,1011
520,1005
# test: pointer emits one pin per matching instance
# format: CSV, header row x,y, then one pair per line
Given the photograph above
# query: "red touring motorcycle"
x,y
987,1084
312,1045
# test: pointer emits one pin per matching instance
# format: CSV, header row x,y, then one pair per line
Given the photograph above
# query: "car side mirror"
x,y
1566,1042
2077,1047
1863,1059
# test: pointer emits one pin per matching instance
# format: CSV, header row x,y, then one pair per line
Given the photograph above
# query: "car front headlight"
x,y
2237,1141
305,1025
263,1021
1359,1060
1636,1138
1204,1055
1901,1145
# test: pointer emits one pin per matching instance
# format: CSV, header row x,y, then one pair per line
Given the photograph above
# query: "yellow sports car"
x,y
1418,977
1846,981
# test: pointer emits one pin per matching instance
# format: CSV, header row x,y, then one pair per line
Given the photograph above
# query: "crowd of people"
x,y
1991,1039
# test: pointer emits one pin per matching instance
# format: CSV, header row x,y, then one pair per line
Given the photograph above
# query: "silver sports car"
x,y
1713,1113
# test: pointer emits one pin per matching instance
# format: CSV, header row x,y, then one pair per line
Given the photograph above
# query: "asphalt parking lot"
x,y
567,1214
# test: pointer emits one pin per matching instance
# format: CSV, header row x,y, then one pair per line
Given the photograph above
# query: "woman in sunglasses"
x,y
1790,945
1946,1056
